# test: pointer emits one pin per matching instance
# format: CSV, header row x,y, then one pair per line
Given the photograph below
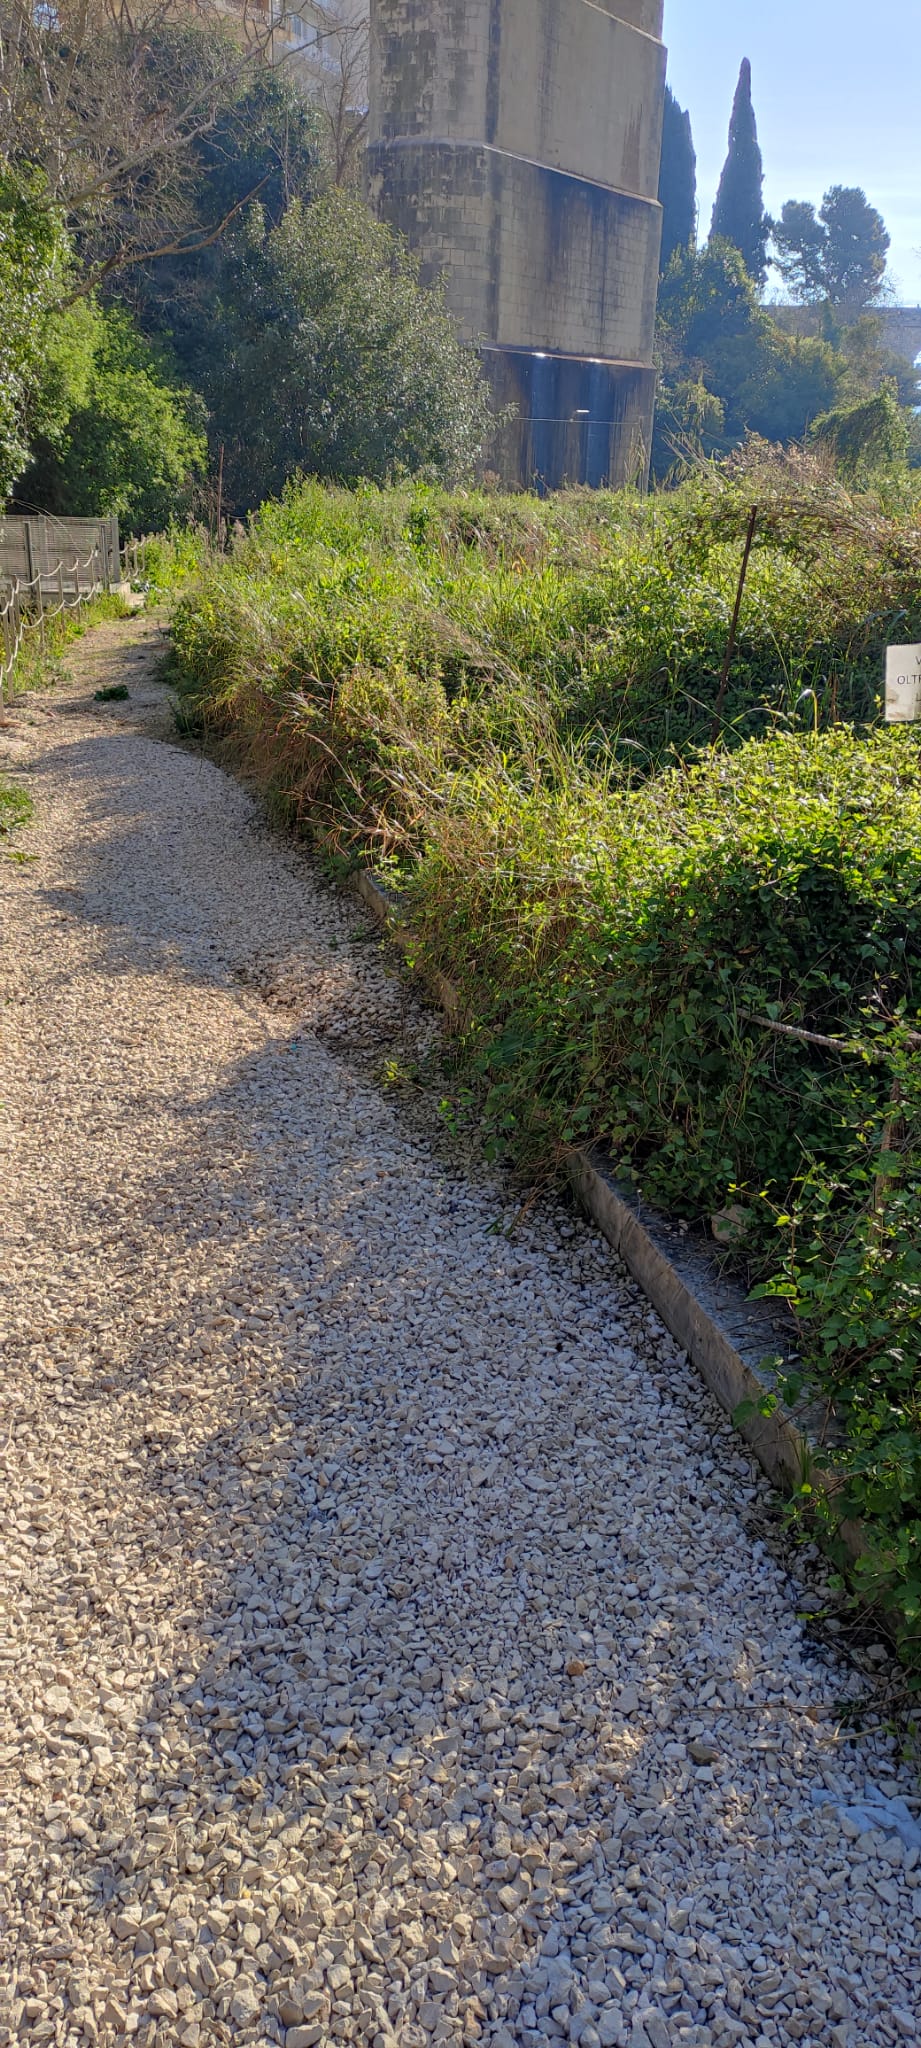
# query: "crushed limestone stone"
x,y
390,1656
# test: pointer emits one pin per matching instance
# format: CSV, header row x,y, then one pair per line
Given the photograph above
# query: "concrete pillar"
x,y
516,144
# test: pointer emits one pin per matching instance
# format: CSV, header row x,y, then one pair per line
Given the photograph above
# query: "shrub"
x,y
329,356
34,261
512,700
132,442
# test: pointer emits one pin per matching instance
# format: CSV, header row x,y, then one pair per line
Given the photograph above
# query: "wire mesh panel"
x,y
49,566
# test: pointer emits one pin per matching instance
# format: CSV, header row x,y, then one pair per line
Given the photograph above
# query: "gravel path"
x,y
392,1657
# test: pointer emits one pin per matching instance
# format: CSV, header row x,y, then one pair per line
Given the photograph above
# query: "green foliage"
x,y
869,366
718,344
738,213
264,143
867,440
89,419
507,698
263,146
677,180
16,808
34,263
133,440
689,422
851,1272
837,255
329,356
799,239
173,558
37,665
153,133
617,613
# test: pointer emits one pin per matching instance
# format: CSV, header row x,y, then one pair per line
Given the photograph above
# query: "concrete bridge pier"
x,y
516,144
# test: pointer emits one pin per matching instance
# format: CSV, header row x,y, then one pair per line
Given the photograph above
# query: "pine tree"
x,y
739,216
677,180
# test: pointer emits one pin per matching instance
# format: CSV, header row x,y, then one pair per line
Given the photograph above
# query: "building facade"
x,y
323,42
516,144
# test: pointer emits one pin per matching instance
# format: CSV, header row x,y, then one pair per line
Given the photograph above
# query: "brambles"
x,y
511,702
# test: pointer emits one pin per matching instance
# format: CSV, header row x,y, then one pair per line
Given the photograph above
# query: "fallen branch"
x,y
848,1045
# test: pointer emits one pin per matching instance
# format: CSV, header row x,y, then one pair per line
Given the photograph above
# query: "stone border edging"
x,y
724,1334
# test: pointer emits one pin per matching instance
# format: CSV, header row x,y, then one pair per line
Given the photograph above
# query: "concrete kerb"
x,y
728,1337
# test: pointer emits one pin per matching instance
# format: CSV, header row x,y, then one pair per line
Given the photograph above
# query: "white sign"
x,y
903,684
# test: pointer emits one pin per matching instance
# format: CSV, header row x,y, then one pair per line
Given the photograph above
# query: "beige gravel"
x,y
391,1653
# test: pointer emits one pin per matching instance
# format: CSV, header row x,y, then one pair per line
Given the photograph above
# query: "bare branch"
x,y
111,96
123,259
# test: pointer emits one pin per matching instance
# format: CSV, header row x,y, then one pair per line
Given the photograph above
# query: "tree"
x,y
738,215
707,295
870,366
342,91
836,256
266,139
328,356
727,368
677,180
856,249
133,441
35,266
110,99
690,422
798,240
868,440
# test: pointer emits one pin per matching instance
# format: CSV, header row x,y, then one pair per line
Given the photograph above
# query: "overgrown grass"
x,y
511,702
169,562
615,613
40,654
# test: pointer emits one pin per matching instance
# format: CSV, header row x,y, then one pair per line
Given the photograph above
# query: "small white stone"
x,y
404,1558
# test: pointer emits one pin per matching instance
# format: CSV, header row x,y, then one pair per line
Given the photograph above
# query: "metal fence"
x,y
49,567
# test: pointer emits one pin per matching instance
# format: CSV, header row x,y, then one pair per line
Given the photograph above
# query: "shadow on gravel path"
x,y
391,1658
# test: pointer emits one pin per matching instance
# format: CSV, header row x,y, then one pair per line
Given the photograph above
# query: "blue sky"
x,y
835,86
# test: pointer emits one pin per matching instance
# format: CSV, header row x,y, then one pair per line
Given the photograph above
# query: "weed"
x,y
509,704
38,664
16,809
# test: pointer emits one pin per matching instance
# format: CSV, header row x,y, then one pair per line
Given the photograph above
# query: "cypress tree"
x,y
677,180
738,216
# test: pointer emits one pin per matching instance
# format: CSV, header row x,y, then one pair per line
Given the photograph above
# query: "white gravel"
x,y
391,1656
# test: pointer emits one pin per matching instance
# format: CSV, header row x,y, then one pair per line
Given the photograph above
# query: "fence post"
x,y
61,585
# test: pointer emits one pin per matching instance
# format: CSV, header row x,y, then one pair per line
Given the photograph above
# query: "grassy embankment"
x,y
512,703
